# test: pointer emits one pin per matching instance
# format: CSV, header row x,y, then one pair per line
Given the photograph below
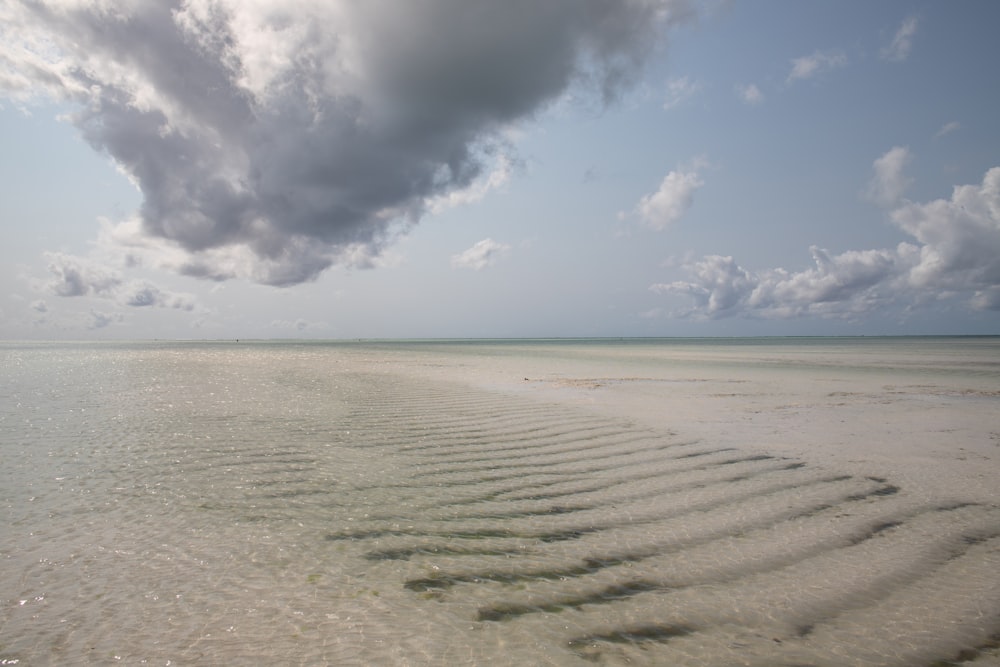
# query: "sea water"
x,y
410,503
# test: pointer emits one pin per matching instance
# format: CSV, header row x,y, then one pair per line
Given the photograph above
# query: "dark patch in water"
x,y
407,553
705,453
639,634
443,581
758,457
887,490
604,596
544,511
968,655
875,530
885,526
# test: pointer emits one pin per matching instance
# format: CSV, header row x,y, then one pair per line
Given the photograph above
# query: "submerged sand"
x,y
830,503
898,565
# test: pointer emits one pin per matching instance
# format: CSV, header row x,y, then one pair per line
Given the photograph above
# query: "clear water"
x,y
359,503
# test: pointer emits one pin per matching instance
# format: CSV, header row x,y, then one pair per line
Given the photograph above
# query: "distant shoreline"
x,y
522,340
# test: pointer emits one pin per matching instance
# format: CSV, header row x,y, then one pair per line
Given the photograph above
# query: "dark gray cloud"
x,y
77,276
273,139
82,276
144,294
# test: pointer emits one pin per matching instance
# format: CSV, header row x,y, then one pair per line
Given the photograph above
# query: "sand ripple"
x,y
622,545
302,506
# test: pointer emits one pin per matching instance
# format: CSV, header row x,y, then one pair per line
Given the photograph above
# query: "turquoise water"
x,y
408,502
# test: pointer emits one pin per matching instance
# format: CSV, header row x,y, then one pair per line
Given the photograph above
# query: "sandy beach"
x,y
927,425
940,433
764,503
932,417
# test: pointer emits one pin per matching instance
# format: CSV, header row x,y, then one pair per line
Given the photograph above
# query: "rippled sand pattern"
x,y
379,517
623,546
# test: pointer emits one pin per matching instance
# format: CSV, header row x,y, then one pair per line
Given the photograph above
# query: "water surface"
x,y
411,502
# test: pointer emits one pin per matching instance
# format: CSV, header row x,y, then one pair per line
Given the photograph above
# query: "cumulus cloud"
x,y
889,181
902,42
718,285
809,66
479,256
74,276
838,285
959,237
750,94
671,201
144,294
79,276
956,254
272,139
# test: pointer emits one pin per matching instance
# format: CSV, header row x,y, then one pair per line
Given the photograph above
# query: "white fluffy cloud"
x,y
272,139
838,285
890,181
959,238
956,255
902,42
818,62
671,201
479,256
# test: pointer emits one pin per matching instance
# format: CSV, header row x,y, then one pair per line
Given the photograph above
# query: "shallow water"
x,y
403,503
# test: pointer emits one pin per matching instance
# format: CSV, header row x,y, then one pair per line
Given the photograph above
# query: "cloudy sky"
x,y
474,168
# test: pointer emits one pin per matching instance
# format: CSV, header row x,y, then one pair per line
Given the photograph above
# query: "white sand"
x,y
938,439
925,414
897,574
371,504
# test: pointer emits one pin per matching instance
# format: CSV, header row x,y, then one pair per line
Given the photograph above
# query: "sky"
x,y
471,168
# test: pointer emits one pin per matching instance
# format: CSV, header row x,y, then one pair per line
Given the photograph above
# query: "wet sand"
x,y
932,417
906,572
829,504
941,435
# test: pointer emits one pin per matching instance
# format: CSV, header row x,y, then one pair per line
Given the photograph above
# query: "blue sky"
x,y
223,169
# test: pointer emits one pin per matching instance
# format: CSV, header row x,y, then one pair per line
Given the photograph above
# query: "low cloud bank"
x,y
955,255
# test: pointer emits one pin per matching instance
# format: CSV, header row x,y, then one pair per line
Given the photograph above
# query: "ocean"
x,y
820,501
